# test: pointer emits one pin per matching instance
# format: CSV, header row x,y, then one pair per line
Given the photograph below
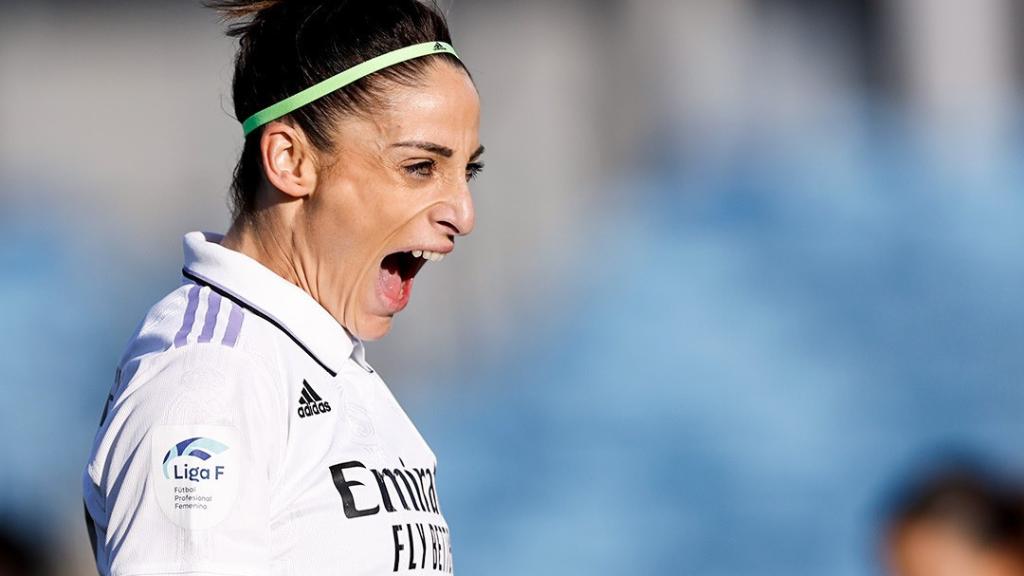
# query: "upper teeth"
x,y
428,255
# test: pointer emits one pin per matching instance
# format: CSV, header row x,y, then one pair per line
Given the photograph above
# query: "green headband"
x,y
342,79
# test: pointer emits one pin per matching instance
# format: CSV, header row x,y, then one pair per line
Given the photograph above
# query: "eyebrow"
x,y
435,148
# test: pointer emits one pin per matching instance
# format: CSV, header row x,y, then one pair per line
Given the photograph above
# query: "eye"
x,y
422,169
473,170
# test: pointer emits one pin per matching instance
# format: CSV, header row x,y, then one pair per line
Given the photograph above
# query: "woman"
x,y
246,433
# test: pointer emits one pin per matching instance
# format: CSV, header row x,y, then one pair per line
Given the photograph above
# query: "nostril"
x,y
452,226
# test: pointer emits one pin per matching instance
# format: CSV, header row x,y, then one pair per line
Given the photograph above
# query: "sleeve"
x,y
187,463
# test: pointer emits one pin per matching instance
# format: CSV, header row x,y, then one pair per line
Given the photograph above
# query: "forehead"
x,y
443,105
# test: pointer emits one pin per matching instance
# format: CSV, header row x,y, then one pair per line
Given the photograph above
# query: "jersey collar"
x,y
267,294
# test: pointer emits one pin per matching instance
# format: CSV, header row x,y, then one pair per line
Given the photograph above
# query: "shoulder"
x,y
187,363
195,326
198,351
190,314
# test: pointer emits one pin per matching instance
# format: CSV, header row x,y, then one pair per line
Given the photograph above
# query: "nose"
x,y
455,214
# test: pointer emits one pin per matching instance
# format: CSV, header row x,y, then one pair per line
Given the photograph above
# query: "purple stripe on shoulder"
x,y
190,316
210,322
234,326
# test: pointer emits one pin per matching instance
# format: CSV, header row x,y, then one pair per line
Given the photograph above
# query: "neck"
x,y
270,244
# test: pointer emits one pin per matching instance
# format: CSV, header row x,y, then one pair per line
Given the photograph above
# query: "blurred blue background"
x,y
740,268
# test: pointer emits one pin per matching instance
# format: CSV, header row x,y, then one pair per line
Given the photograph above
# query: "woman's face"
x,y
393,193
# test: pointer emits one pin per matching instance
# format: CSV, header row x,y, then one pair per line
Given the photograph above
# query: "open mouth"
x,y
397,271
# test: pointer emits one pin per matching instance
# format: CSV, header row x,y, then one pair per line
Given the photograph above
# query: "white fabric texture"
x,y
246,434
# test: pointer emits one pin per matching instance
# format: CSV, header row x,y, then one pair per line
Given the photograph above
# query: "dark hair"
x,y
285,46
982,509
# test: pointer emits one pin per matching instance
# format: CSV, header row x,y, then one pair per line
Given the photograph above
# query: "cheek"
x,y
386,206
342,220
388,217
356,222
367,205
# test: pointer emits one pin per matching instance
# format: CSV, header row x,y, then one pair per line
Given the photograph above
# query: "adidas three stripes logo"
x,y
310,403
224,322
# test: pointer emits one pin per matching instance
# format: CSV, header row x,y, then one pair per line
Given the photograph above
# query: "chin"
x,y
373,328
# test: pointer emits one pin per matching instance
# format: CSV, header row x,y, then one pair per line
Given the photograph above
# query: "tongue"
x,y
390,282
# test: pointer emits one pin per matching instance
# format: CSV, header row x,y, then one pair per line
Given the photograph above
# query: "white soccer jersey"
x,y
246,434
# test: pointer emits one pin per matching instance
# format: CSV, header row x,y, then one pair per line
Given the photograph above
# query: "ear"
x,y
288,161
